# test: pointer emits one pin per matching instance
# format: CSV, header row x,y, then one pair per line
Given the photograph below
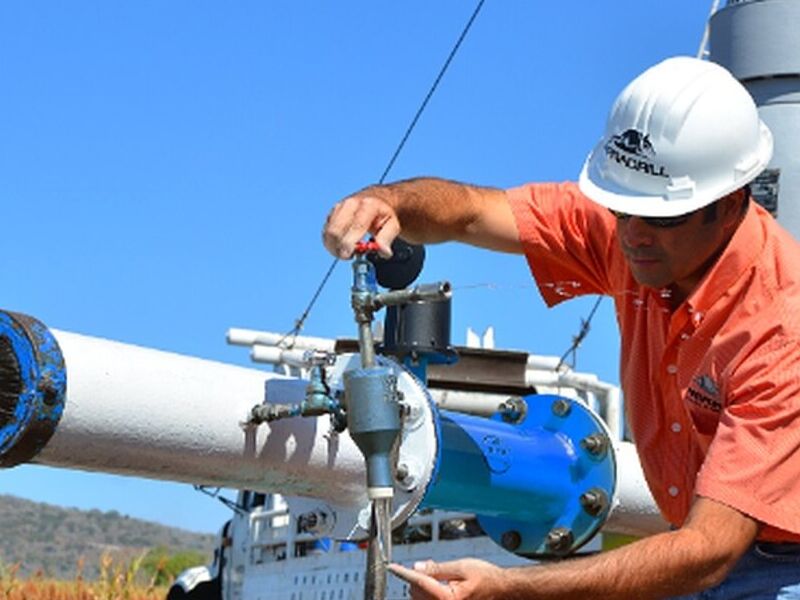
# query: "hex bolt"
x,y
405,476
560,540
561,407
512,410
594,501
402,472
595,444
511,540
49,395
307,522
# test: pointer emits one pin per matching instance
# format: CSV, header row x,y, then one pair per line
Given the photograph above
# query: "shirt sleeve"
x,y
567,239
753,461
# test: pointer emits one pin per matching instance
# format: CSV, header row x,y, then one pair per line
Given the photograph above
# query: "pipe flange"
x,y
593,473
33,384
416,449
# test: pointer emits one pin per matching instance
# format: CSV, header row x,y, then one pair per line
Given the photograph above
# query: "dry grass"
x,y
117,581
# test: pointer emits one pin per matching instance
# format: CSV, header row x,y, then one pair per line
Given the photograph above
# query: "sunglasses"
x,y
658,222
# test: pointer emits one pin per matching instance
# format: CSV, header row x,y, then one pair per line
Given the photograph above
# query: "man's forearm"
x,y
432,210
661,566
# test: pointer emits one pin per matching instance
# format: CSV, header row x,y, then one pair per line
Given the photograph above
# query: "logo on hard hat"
x,y
633,150
634,142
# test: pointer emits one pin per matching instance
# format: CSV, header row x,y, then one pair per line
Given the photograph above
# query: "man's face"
x,y
676,257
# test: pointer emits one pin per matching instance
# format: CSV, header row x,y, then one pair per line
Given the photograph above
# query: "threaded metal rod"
x,y
379,550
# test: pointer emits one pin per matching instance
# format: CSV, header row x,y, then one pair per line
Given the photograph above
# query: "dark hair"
x,y
710,211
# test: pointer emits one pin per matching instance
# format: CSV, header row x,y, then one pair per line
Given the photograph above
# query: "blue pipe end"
x,y
586,500
33,385
539,486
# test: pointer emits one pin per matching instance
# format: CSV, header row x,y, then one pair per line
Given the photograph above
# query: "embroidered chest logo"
x,y
703,391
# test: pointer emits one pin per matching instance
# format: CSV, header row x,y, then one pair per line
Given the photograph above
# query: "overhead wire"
x,y
577,339
300,321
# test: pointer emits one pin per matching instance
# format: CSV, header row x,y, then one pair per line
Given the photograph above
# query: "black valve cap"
x,y
402,268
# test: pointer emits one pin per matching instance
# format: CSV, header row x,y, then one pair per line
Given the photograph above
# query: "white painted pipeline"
x,y
136,411
633,511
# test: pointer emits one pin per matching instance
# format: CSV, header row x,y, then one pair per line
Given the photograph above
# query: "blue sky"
x,y
166,167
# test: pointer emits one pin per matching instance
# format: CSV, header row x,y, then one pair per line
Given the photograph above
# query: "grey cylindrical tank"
x,y
759,42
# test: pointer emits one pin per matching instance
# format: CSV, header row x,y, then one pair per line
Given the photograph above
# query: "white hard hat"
x,y
681,135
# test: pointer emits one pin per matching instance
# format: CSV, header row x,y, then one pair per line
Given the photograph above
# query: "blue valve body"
x,y
527,477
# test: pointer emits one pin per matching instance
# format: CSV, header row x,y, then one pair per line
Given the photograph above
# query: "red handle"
x,y
364,247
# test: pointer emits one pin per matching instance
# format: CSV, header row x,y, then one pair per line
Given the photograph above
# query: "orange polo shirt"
x,y
712,390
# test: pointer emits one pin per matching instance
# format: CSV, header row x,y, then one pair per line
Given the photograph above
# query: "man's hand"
x,y
696,557
457,580
354,217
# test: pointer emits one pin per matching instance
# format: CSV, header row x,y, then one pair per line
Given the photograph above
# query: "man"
x,y
707,298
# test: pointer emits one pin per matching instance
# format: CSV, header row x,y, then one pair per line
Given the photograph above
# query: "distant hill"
x,y
53,539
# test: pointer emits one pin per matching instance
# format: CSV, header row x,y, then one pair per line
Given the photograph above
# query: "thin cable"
x,y
300,322
422,106
578,339
216,494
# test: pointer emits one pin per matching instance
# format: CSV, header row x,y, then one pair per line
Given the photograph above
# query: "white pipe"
x,y
275,355
474,403
613,413
250,337
136,411
538,362
633,510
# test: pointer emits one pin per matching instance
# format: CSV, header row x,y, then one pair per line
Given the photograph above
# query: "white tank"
x,y
758,41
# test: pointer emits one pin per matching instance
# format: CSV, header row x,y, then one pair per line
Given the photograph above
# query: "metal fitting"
x,y
265,413
312,522
594,501
561,407
320,358
406,477
426,292
511,540
318,399
513,410
595,444
559,540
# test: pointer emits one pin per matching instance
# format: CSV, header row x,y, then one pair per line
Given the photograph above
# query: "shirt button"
x,y
672,369
676,427
673,491
685,336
